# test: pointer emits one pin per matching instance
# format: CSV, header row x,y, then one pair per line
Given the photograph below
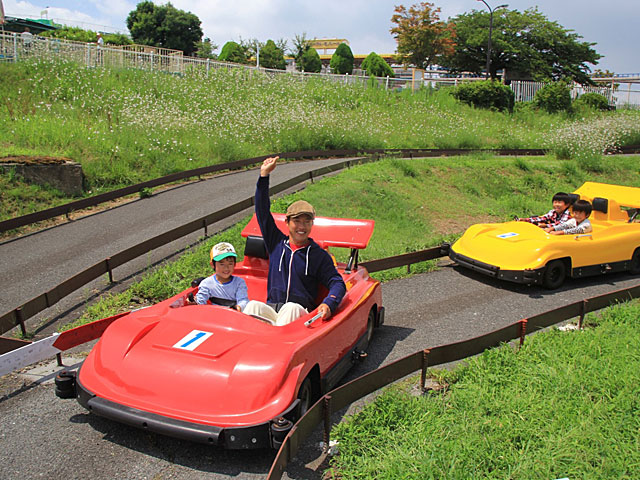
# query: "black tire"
x,y
554,275
634,267
65,385
371,323
305,395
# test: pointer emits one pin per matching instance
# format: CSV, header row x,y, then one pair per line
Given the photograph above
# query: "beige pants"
x,y
287,314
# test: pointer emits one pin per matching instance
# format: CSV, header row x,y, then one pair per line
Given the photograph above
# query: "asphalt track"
x,y
42,436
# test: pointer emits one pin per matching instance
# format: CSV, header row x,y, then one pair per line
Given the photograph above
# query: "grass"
x,y
564,405
416,204
127,126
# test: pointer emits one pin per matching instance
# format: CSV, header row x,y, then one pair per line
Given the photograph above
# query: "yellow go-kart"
x,y
524,253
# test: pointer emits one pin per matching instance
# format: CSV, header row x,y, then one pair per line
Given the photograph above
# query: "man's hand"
x,y
268,166
325,310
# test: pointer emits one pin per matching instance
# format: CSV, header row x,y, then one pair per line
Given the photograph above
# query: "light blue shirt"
x,y
234,289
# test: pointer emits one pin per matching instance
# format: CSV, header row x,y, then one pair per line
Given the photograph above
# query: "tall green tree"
x,y
205,48
271,56
376,66
422,37
342,60
301,45
310,61
164,26
526,44
233,52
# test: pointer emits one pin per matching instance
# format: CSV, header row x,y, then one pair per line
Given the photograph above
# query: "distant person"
x,y
558,214
27,38
100,44
222,287
297,264
578,224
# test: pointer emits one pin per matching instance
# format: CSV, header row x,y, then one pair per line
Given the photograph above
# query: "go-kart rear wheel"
x,y
554,274
305,395
371,323
634,268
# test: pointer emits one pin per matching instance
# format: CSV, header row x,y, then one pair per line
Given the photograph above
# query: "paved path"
x,y
44,437
35,263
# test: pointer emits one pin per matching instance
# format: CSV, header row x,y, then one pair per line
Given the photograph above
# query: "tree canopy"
x,y
310,61
271,56
526,44
233,52
342,60
164,26
376,66
421,36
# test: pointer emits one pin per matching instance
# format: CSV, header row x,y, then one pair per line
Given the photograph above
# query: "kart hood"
x,y
510,245
198,363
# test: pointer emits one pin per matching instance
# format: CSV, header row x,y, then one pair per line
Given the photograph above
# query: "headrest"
x,y
600,204
255,247
573,197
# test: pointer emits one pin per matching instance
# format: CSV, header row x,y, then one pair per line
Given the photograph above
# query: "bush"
x,y
272,57
485,94
342,60
310,61
592,100
376,66
554,97
233,52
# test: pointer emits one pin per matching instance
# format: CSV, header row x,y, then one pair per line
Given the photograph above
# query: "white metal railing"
x,y
14,48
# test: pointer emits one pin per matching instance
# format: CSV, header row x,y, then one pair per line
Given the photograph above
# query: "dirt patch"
x,y
447,226
35,160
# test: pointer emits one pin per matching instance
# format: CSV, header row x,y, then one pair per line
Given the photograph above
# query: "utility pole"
x,y
490,31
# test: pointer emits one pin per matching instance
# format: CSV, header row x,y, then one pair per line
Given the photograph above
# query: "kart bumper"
x,y
525,277
269,434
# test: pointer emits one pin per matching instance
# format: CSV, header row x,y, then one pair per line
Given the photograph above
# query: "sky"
x,y
612,25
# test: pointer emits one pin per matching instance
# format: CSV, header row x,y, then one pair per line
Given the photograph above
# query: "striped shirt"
x,y
572,228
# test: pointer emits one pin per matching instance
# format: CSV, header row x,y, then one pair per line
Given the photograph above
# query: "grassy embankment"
x,y
127,126
563,406
416,204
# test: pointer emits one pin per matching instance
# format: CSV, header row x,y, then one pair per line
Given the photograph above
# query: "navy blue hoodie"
x,y
294,276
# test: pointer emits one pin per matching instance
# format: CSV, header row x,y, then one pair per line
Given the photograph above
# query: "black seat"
x,y
573,198
255,247
600,204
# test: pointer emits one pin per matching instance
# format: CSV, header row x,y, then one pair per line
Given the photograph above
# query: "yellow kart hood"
x,y
509,246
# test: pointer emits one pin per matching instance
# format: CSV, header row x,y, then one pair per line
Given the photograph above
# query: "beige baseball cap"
x,y
222,250
300,207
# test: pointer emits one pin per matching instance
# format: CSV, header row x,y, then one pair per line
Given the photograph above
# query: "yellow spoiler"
x,y
627,196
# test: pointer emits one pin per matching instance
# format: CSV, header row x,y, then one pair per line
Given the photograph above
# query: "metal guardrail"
x,y
70,207
346,394
67,208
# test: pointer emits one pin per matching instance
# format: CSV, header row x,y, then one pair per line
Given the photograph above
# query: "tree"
x,y
272,57
205,48
376,66
526,44
233,52
342,60
310,61
422,37
300,46
164,26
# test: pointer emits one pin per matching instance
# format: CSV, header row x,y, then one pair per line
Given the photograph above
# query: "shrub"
x,y
554,97
342,60
485,94
376,66
592,100
310,61
233,52
272,57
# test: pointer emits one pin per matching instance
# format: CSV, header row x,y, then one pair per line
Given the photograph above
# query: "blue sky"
x,y
612,25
